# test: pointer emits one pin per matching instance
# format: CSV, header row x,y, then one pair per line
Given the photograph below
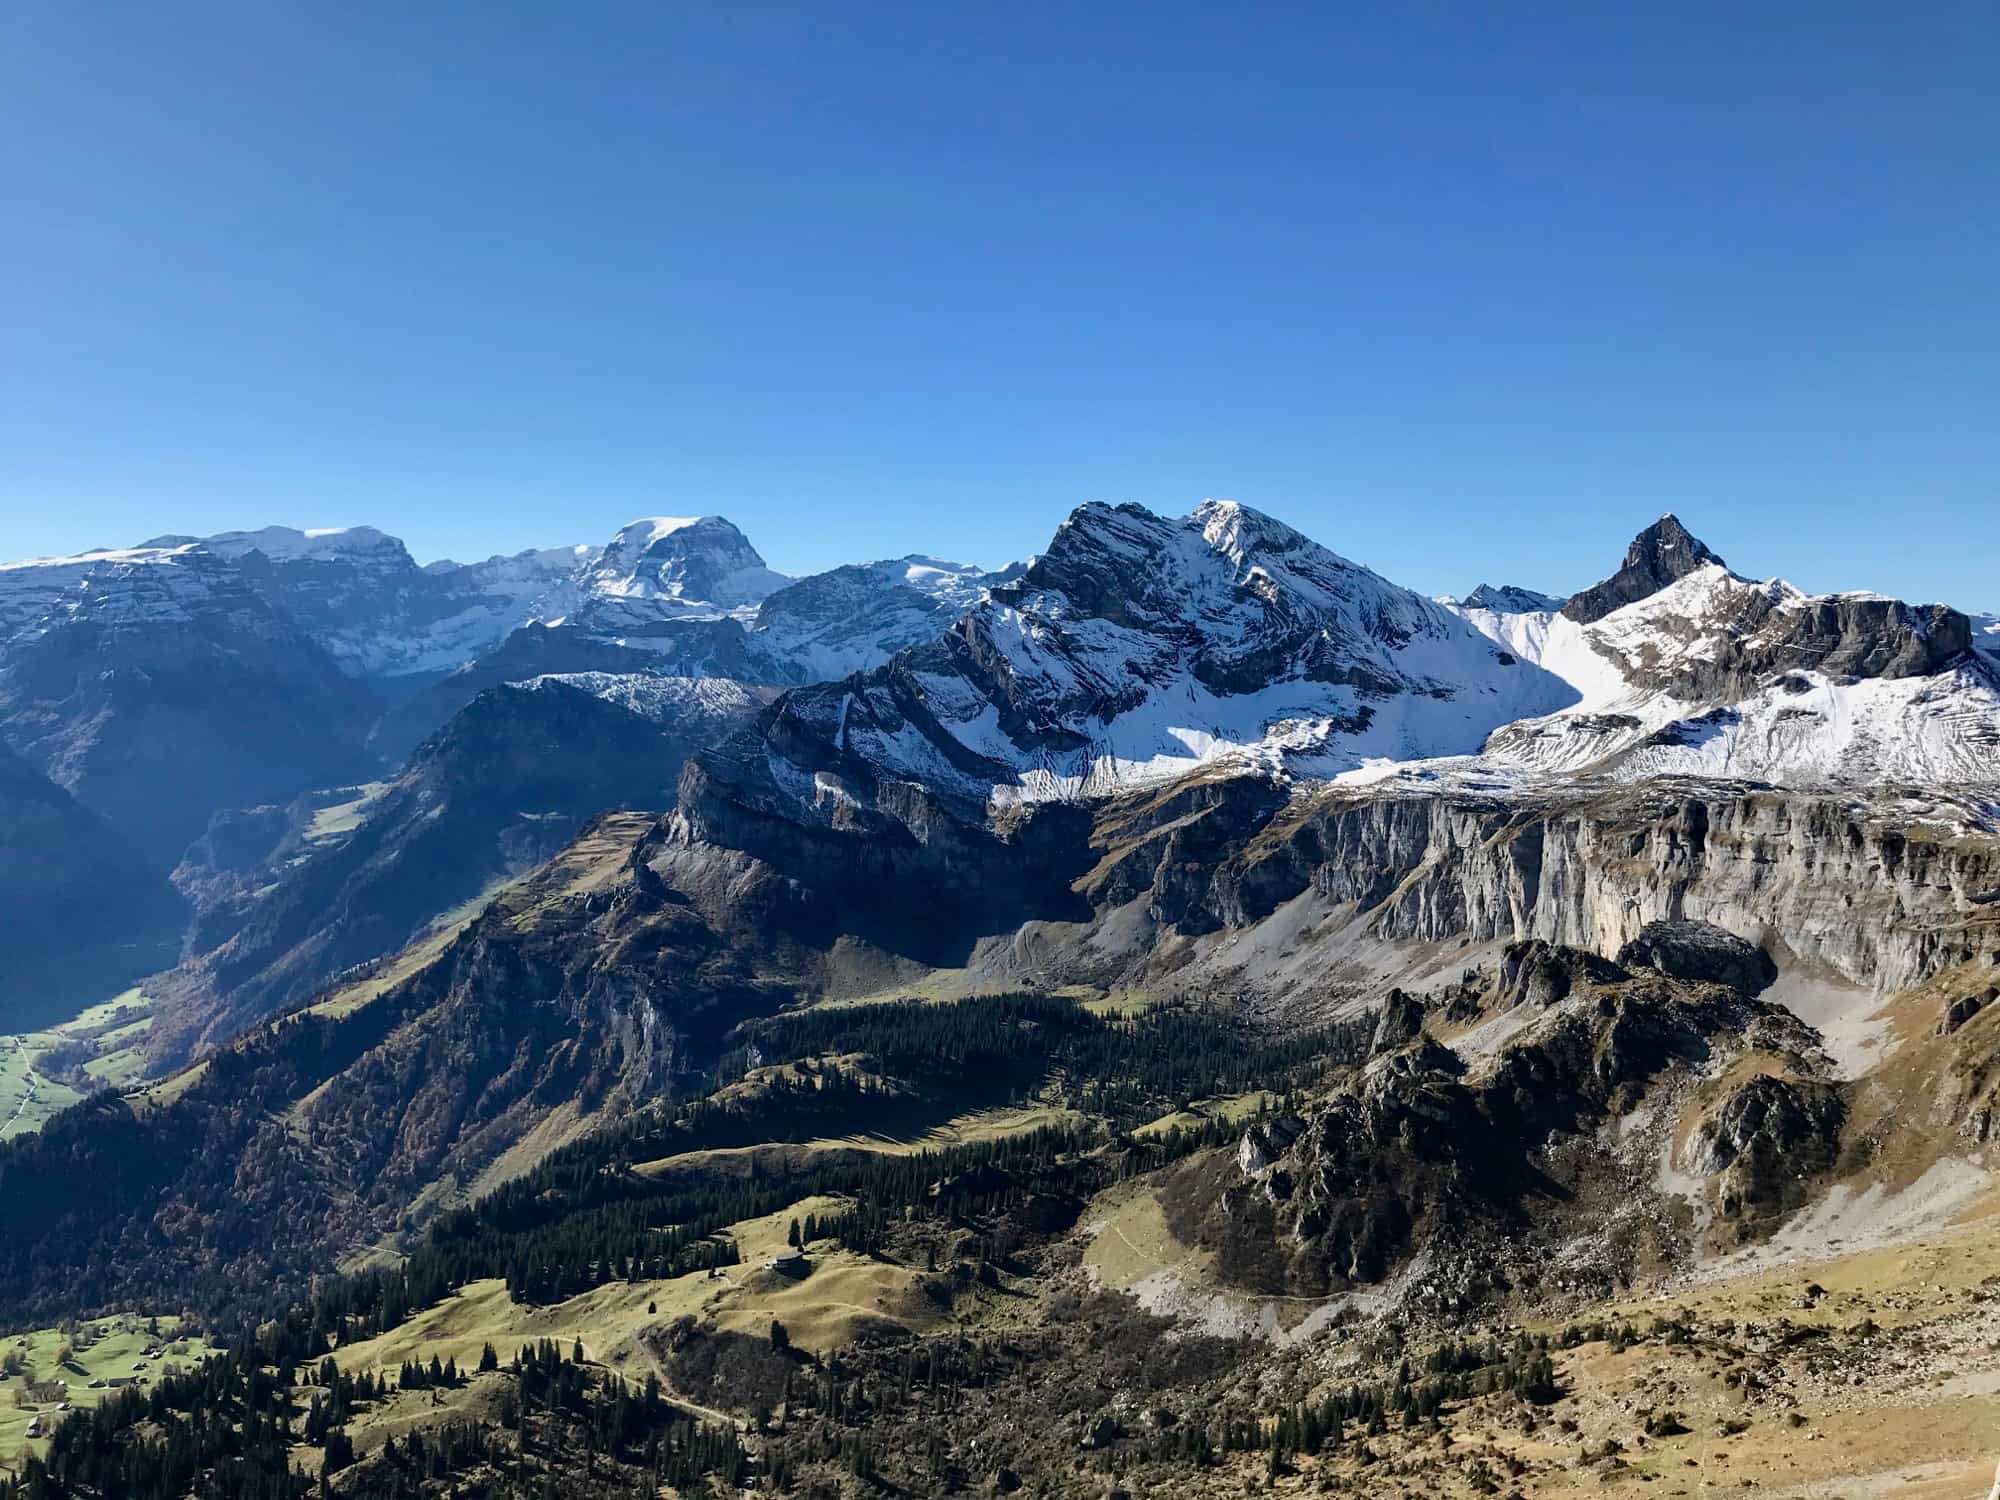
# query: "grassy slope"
x,y
822,1310
118,1343
1923,1423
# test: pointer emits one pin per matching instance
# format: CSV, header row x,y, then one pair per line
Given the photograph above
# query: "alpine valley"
x,y
1179,1016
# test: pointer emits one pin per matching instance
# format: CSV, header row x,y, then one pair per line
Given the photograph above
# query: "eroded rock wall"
x,y
1880,900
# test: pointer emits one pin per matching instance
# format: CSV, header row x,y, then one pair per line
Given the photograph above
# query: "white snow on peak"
x,y
291,544
660,699
1799,728
650,529
125,586
1138,648
958,583
1986,635
105,556
672,567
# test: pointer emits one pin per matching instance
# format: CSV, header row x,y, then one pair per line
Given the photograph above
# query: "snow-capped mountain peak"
x,y
687,566
160,580
1714,674
1138,647
319,543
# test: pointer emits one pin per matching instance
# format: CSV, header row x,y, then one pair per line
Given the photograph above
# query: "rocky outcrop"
x,y
1400,1022
1419,1149
1509,599
1765,1142
1540,973
1660,555
1963,1009
1700,953
1477,1162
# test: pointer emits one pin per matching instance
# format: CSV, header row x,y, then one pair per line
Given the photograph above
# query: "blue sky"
x,y
1464,291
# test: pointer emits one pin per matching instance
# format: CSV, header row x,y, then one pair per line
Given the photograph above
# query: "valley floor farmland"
x,y
101,1047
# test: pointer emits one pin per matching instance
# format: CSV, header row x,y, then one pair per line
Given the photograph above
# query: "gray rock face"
x,y
1768,632
1507,599
1661,554
1963,1009
1880,897
1767,1137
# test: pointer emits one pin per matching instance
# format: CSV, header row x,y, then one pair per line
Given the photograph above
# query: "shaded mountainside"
x,y
499,789
162,687
573,993
673,648
81,915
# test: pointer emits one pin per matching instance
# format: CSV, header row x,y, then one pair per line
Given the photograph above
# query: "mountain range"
x,y
1187,915
189,682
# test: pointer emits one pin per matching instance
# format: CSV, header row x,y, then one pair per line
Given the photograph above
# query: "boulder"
x,y
1959,1012
1700,953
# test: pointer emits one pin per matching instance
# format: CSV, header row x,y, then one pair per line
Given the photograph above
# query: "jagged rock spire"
x,y
1660,555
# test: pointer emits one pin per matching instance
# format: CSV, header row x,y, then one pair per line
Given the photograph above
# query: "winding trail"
x,y
27,1098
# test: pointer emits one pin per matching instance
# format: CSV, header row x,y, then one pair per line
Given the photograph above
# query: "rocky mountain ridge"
x,y
501,788
337,638
1508,599
158,684
1221,663
1713,674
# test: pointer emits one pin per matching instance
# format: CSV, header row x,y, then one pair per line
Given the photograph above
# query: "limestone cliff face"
x,y
1878,896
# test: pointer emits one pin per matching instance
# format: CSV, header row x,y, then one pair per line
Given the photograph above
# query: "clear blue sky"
x,y
1463,290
